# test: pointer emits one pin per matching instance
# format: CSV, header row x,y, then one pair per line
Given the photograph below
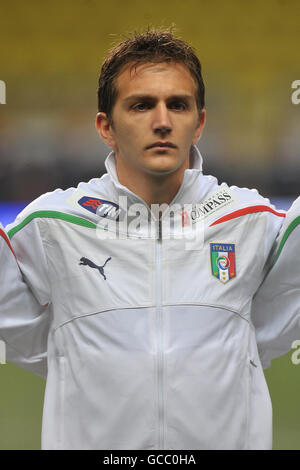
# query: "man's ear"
x,y
104,128
200,127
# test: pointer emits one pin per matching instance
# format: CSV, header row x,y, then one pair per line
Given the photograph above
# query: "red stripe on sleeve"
x,y
5,237
245,211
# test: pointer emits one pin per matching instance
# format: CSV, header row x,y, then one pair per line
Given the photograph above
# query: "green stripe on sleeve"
x,y
286,235
51,215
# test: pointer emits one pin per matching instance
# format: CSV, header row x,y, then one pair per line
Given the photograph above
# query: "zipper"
x,y
160,346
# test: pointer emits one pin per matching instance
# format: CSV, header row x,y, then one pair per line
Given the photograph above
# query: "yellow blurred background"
x,y
51,54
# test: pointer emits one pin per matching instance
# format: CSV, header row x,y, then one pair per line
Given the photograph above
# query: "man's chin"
x,y
161,170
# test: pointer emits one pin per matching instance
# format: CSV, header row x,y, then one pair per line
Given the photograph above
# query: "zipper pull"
x,y
159,229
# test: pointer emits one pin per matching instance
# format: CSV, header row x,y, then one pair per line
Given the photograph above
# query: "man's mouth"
x,y
161,145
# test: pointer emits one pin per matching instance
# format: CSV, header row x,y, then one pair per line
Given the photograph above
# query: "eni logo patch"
x,y
222,257
101,207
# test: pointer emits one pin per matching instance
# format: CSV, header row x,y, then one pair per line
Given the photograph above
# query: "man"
x,y
24,322
143,280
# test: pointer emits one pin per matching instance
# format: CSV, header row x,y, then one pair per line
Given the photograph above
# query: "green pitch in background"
x,y
21,404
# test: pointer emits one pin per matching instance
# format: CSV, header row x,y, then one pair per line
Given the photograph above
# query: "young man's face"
x,y
155,119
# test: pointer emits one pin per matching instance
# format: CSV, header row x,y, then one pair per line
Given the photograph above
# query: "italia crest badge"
x,y
222,256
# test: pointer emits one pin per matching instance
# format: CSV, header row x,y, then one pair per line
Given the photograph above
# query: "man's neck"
x,y
153,189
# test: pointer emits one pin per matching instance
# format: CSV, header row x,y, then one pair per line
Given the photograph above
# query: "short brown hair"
x,y
151,46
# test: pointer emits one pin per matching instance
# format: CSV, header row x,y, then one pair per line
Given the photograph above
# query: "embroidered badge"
x,y
222,256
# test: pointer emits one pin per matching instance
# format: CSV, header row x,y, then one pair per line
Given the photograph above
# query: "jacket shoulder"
x,y
250,196
231,203
242,196
57,203
59,199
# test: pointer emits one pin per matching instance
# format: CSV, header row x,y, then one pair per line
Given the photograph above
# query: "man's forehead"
x,y
140,74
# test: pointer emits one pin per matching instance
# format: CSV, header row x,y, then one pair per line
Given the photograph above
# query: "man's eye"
x,y
178,105
141,106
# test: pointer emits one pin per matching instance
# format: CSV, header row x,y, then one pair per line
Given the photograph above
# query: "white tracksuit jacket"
x,y
152,340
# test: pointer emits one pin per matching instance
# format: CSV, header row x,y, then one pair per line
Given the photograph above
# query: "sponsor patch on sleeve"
x,y
216,201
101,207
95,205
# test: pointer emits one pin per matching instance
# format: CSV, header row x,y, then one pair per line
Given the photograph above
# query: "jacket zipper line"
x,y
159,323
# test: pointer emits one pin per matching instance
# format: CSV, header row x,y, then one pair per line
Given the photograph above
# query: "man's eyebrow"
x,y
142,96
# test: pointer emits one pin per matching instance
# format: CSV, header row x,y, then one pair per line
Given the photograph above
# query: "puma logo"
x,y
87,262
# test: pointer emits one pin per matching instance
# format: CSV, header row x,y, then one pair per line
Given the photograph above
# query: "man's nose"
x,y
161,119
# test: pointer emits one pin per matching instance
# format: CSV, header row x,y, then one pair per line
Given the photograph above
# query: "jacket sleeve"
x,y
276,304
24,319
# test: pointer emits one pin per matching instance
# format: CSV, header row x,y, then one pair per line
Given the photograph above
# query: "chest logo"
x,y
91,264
222,257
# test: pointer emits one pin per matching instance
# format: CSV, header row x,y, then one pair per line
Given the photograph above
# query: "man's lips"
x,y
161,145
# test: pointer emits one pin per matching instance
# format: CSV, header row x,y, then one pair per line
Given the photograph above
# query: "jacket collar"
x,y
187,193
193,188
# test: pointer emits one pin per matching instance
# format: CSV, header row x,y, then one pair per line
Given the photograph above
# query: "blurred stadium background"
x,y
51,53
